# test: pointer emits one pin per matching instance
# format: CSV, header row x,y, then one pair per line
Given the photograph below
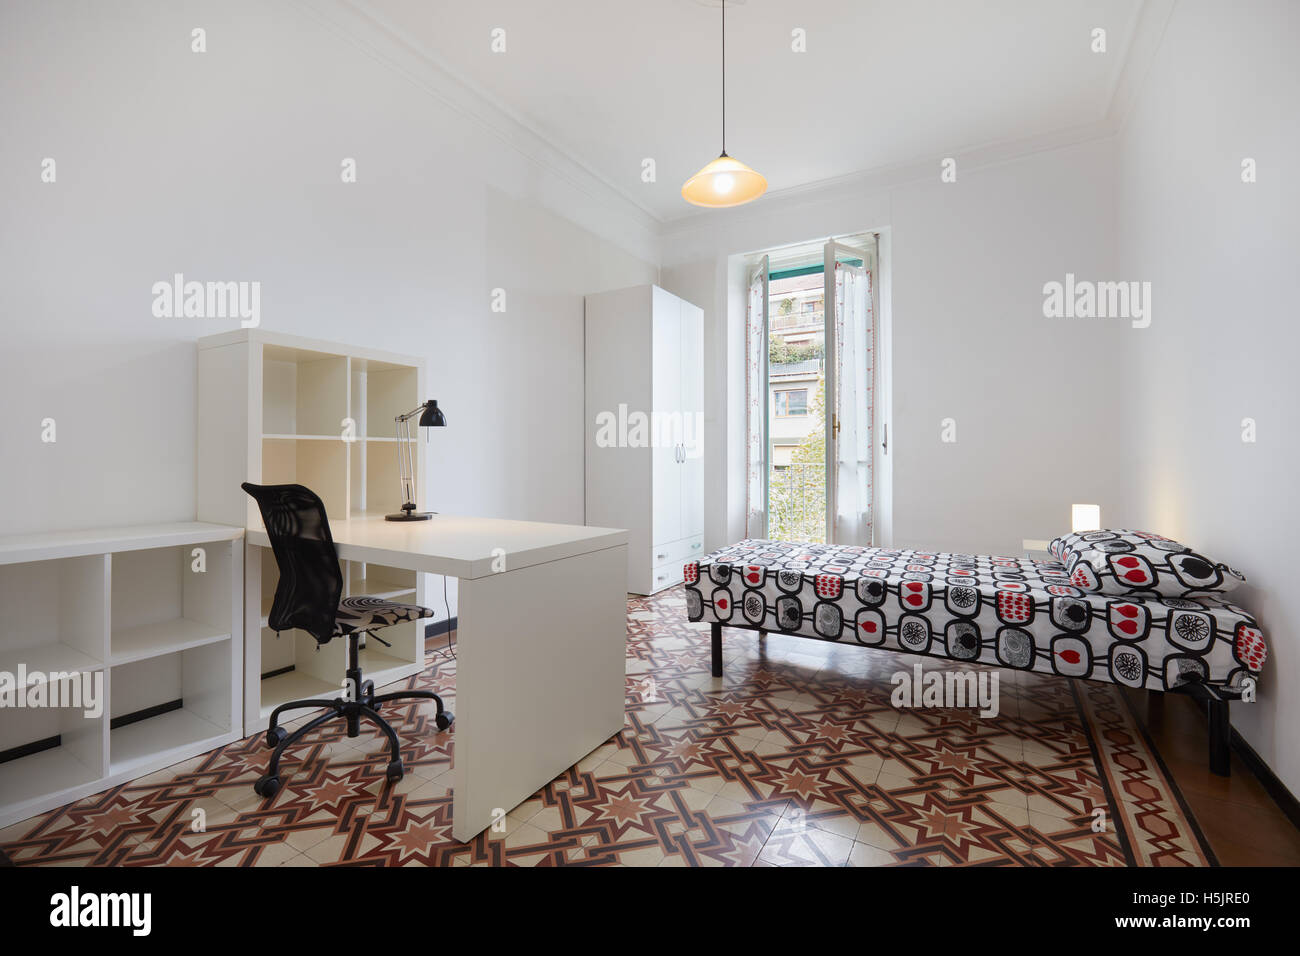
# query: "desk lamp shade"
x,y
432,417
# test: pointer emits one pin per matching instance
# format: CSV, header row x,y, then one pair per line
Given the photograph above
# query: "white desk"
x,y
540,646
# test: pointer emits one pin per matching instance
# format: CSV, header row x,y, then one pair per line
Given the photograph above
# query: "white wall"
x,y
225,166
1223,342
1035,416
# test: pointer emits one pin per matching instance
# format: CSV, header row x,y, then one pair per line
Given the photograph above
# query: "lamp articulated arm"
x,y
430,415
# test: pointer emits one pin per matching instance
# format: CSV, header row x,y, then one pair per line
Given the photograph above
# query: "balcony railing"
x,y
796,496
806,367
793,320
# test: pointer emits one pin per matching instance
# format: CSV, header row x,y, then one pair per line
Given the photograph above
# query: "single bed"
x,y
1008,612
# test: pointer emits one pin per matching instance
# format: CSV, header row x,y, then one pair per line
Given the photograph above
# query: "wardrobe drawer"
x,y
677,551
665,576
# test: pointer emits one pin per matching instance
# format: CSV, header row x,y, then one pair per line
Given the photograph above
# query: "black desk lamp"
x,y
431,416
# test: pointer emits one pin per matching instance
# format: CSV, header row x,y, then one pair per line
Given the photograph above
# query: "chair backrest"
x,y
311,583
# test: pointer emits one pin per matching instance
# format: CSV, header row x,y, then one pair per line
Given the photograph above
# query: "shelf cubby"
x,y
162,602
51,751
189,693
390,391
381,581
321,465
55,615
305,393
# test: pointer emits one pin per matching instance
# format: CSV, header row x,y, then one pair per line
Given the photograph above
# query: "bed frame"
x,y
1216,708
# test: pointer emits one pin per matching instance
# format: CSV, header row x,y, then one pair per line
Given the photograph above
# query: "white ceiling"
x,y
883,82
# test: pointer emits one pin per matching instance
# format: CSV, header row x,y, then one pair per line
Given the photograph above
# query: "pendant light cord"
x,y
724,77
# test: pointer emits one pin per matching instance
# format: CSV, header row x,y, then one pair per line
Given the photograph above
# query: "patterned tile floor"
x,y
795,757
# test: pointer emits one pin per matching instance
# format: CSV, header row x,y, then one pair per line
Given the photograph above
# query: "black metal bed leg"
x,y
1220,737
717,648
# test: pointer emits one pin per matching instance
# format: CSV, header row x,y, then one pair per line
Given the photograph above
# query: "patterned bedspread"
x,y
1005,611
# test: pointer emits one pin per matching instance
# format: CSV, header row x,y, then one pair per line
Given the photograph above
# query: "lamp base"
x,y
410,516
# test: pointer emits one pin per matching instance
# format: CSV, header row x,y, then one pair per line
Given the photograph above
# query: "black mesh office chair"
x,y
309,596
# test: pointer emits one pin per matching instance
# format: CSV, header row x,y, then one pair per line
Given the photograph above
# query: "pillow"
x,y
1139,562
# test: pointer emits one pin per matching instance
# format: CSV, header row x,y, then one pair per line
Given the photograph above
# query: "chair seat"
x,y
366,613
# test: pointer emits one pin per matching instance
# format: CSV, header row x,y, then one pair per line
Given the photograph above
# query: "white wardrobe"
x,y
644,429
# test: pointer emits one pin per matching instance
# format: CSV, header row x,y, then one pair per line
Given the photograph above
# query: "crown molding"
x,y
1136,59
1148,33
358,23
885,178
637,227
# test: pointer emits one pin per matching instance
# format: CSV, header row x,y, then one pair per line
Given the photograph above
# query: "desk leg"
x,y
540,677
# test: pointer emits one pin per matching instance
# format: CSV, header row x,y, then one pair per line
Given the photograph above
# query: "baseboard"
x,y
1273,786
439,627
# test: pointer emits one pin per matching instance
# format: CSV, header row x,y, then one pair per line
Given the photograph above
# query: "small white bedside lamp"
x,y
1085,518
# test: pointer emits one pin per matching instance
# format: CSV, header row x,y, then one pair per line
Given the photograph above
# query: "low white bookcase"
x,y
154,615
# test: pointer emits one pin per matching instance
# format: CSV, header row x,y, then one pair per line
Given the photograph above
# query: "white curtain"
x,y
756,406
855,340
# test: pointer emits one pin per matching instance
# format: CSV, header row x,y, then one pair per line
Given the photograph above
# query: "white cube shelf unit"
x,y
275,409
155,625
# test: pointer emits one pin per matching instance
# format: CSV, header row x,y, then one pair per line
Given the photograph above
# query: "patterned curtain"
x,y
855,400
756,406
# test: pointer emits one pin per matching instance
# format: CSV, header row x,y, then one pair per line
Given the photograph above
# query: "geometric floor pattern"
x,y
795,757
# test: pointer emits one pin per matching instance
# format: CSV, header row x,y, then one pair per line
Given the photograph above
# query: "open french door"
x,y
851,348
758,453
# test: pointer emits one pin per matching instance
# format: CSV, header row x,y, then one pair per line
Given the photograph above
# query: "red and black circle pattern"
x,y
1011,612
1140,563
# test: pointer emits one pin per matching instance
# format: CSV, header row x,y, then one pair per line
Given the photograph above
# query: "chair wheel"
x,y
275,737
394,772
267,787
444,720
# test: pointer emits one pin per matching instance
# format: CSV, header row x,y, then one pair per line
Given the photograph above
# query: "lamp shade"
x,y
724,182
432,415
1085,518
